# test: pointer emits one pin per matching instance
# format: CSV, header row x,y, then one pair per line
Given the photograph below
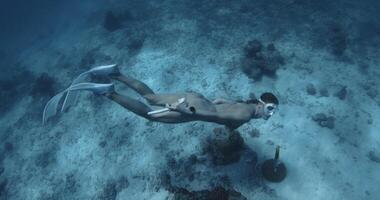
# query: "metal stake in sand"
x,y
274,170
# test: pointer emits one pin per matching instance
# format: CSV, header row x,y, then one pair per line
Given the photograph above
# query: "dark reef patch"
x,y
14,87
43,86
259,61
337,38
341,93
324,121
374,157
310,89
217,193
113,187
225,147
3,188
115,20
111,22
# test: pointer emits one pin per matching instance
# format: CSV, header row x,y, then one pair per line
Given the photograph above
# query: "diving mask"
x,y
269,108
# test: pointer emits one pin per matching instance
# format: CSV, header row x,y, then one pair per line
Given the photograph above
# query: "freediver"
x,y
175,107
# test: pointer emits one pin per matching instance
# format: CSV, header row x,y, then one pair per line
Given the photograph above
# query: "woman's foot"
x,y
105,70
97,88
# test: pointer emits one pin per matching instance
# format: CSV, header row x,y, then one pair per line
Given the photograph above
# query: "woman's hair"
x,y
253,101
267,97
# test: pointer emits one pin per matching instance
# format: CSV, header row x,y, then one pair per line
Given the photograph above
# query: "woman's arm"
x,y
182,107
221,101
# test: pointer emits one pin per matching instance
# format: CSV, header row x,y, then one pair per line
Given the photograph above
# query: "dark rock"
x,y
165,180
171,162
254,133
310,89
109,192
217,193
71,183
338,39
135,45
324,121
253,47
112,22
122,183
258,62
342,93
373,157
251,69
273,61
43,86
319,117
329,123
225,146
1,170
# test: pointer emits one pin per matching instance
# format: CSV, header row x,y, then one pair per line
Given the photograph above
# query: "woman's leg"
x,y
135,84
142,110
146,92
133,105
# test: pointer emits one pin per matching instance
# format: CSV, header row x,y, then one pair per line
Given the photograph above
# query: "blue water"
x,y
320,58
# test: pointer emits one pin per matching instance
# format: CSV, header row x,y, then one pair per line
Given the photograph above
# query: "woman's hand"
x,y
180,106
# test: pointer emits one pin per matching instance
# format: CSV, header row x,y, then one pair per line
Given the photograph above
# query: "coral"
x,y
109,192
225,146
259,61
371,89
310,89
337,38
135,45
324,121
217,193
373,157
71,183
252,48
341,93
183,167
113,187
255,133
